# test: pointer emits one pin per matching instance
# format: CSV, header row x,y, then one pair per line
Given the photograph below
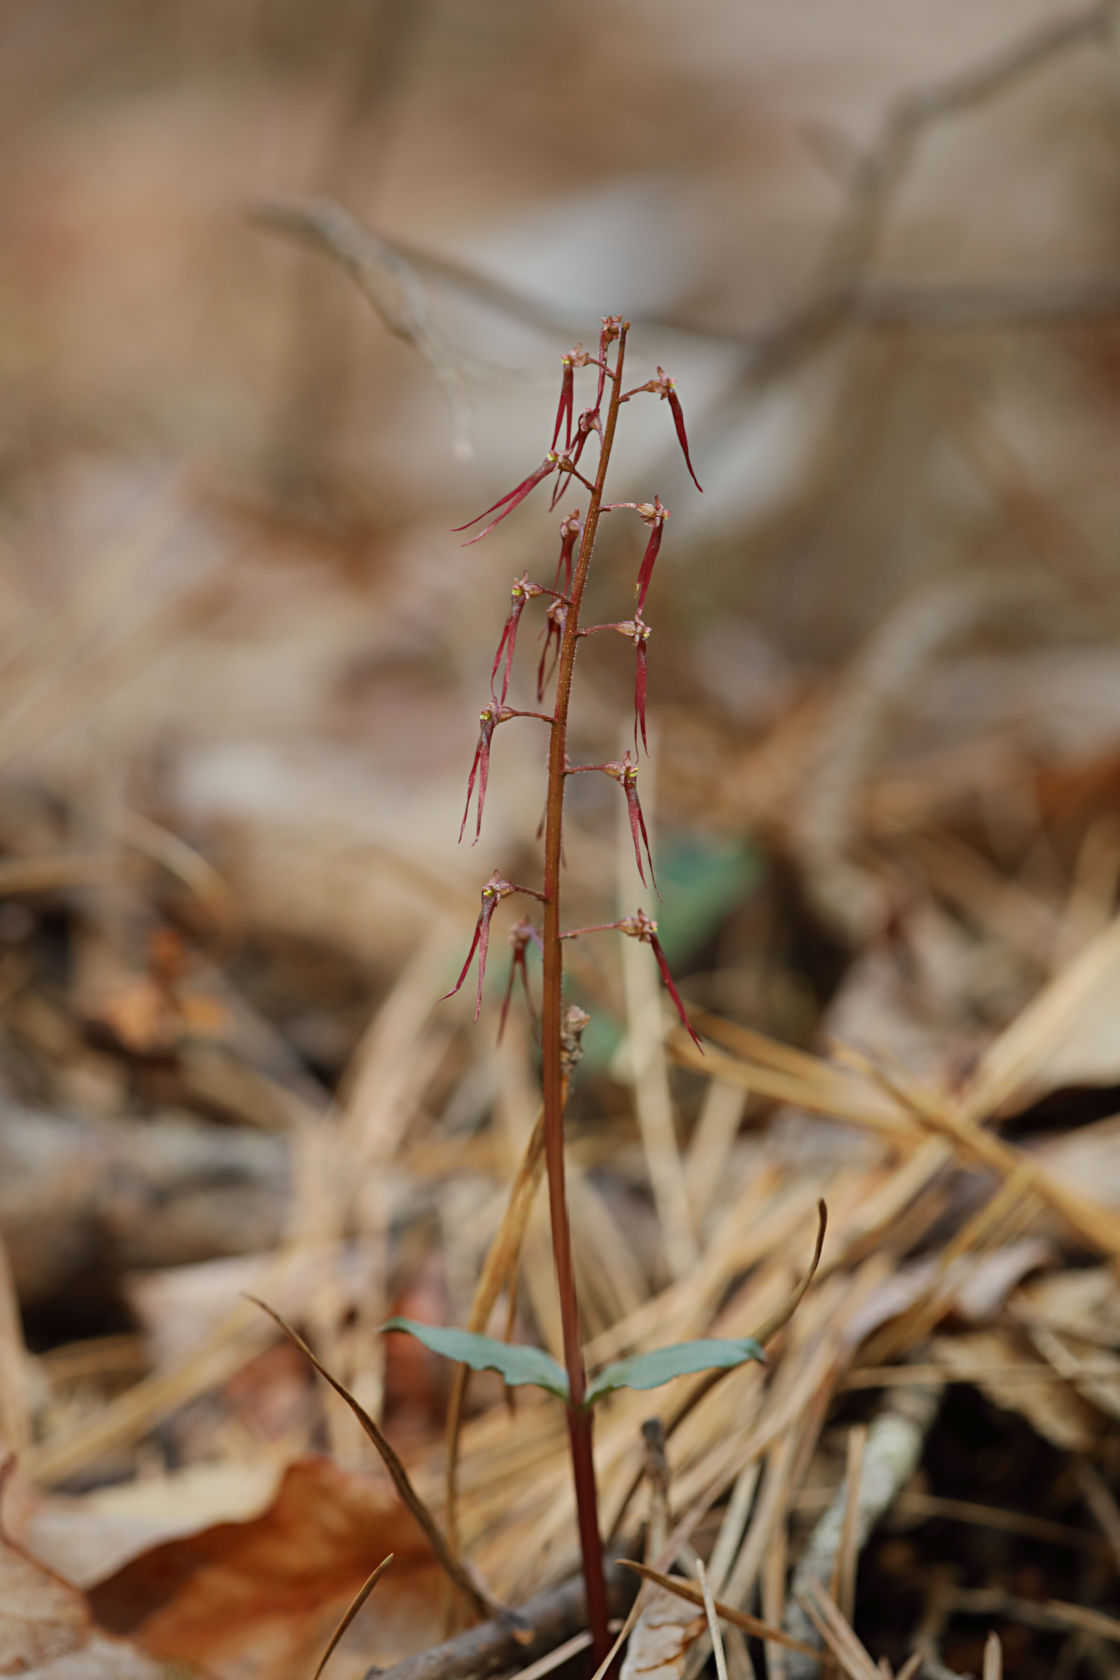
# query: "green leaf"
x,y
515,1364
650,1370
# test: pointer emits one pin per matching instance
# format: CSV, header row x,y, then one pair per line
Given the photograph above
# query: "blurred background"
x,y
284,291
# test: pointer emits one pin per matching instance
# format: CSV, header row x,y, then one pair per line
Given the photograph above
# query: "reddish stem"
x,y
579,1417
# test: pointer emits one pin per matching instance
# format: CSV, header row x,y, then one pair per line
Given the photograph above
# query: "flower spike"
x,y
513,498
643,927
521,934
654,514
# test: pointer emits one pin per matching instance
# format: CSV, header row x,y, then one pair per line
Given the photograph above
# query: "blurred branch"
x,y
1050,303
554,1616
385,279
837,296
389,275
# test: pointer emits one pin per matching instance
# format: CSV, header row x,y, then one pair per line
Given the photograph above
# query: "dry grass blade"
x,y
124,1419
838,1635
1097,1224
1087,1621
822,1088
1018,1055
498,1271
1099,1499
608,1662
64,870
15,1405
665,1633
777,1321
106,670
196,873
352,1610
847,1555
993,1658
738,1618
562,1654
713,1623
450,1564
770,1327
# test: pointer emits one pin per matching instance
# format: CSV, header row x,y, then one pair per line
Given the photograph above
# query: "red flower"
x,y
642,634
643,927
492,895
567,399
571,529
587,423
553,632
489,717
612,326
654,514
667,390
635,630
521,934
626,774
521,592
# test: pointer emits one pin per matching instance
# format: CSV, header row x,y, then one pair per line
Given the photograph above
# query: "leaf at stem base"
x,y
514,1363
681,1359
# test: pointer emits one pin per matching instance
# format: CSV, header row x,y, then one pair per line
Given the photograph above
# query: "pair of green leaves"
x,y
517,1365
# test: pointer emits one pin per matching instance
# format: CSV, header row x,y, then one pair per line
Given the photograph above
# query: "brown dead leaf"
x,y
46,1630
90,1538
258,1600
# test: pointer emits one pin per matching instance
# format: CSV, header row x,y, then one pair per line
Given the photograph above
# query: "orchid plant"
x,y
562,635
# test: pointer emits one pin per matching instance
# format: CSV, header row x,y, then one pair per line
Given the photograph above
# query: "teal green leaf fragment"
x,y
650,1370
515,1363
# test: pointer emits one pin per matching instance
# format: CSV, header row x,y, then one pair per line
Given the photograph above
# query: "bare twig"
x,y
388,274
385,279
894,1446
553,1617
835,296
